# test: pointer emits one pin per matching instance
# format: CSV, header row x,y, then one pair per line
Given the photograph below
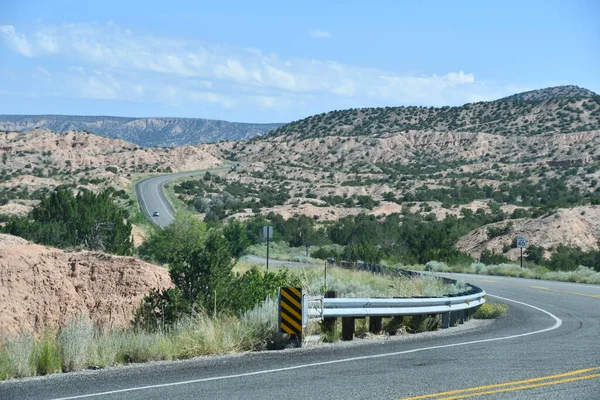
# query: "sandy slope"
x,y
41,286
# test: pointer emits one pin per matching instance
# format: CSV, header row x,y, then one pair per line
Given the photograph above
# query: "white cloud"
x,y
43,72
319,34
16,41
156,69
77,69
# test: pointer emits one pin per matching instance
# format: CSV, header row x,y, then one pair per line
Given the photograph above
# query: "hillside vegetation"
x,y
526,157
564,109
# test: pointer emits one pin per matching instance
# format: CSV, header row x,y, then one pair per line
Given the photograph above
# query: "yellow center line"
x,y
498,385
593,296
512,389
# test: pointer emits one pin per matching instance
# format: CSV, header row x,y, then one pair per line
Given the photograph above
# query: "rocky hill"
x,y
43,287
36,161
558,92
577,226
528,154
146,132
554,110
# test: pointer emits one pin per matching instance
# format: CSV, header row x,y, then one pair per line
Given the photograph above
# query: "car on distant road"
x,y
156,214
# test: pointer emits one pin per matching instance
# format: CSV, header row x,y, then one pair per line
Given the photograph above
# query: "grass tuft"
x,y
75,341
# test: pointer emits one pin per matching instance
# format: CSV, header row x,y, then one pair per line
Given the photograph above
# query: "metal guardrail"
x,y
367,307
319,308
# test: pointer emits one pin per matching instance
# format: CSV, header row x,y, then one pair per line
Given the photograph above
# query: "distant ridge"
x,y
146,132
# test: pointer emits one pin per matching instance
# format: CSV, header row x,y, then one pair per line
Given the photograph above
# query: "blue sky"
x,y
276,62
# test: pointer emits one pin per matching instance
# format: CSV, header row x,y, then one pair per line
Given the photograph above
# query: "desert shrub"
x,y
478,267
325,252
493,232
436,266
581,275
508,270
489,257
490,311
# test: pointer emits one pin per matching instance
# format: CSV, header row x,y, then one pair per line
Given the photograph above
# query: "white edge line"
x,y
557,324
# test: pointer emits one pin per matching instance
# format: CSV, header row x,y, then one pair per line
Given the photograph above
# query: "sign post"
x,y
521,244
330,260
268,233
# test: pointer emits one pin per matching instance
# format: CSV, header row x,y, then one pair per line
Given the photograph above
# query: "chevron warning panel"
x,y
290,310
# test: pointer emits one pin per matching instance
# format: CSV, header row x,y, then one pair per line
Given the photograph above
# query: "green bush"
x,y
489,257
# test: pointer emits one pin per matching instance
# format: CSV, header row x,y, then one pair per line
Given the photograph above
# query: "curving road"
x,y
547,347
151,197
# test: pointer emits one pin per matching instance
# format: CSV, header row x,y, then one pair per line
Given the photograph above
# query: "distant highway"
x,y
547,347
152,199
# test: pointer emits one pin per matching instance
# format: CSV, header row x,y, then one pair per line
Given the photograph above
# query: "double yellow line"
x,y
578,375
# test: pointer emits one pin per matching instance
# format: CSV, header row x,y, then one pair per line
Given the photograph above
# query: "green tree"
x,y
205,275
92,221
535,254
237,237
183,236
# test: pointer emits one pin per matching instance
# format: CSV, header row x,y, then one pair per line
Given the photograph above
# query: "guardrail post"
x,y
446,320
329,323
453,318
461,317
347,328
374,324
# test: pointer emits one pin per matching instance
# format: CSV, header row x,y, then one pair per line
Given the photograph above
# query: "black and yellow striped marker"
x,y
290,310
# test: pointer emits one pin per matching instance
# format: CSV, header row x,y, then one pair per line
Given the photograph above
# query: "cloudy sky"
x,y
276,62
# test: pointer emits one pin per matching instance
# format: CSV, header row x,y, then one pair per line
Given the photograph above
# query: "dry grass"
x,y
580,275
79,345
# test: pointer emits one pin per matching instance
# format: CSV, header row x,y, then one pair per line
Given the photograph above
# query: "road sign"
x,y
268,232
290,310
521,242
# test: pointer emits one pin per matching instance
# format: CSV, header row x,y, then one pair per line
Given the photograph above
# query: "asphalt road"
x,y
151,197
260,260
547,347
